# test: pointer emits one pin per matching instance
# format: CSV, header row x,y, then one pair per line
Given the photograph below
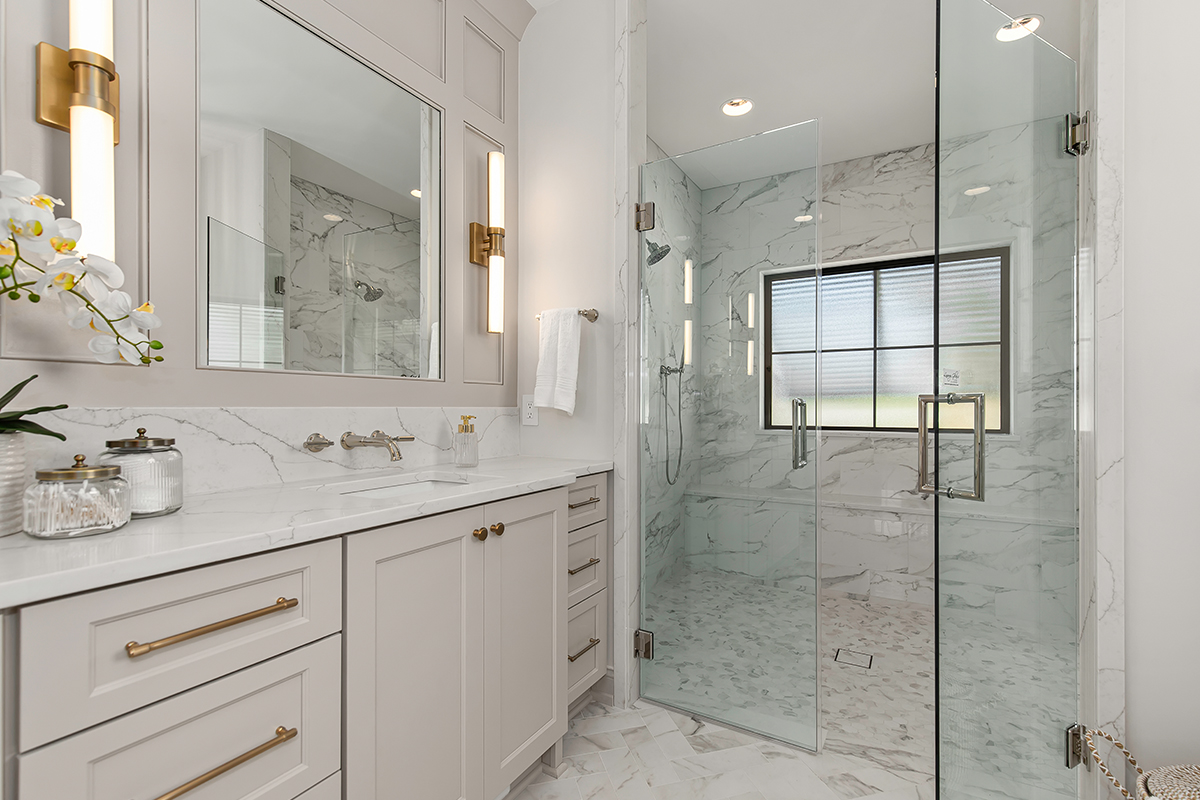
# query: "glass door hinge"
x,y
1077,749
1079,133
644,216
643,645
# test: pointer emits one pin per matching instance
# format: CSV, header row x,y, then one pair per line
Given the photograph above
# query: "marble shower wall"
x,y
235,448
331,327
668,401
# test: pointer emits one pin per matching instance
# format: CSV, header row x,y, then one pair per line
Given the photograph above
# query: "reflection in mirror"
x,y
320,185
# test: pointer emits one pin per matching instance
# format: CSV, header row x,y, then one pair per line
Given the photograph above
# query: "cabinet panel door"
x,y
525,614
414,659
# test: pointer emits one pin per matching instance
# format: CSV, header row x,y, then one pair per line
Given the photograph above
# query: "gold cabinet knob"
x,y
498,529
480,534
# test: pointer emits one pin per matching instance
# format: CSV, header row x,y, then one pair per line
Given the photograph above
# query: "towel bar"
x,y
590,314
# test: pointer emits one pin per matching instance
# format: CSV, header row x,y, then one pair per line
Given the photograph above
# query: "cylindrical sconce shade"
x,y
495,287
495,190
750,311
687,282
750,357
687,342
93,161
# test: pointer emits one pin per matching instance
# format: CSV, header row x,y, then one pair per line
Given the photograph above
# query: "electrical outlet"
x,y
529,412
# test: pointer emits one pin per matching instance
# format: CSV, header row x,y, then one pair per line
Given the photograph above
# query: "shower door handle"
x,y
799,433
924,483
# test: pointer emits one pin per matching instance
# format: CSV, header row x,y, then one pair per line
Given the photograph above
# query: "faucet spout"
x,y
376,439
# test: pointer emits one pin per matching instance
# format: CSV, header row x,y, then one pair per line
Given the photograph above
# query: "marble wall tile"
x,y
231,448
332,326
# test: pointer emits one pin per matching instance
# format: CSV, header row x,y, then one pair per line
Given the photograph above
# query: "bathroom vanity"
x,y
397,635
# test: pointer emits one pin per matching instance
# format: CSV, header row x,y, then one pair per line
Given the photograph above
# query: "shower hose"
x,y
665,372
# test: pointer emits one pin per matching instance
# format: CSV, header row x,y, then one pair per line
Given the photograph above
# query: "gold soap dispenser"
x,y
466,444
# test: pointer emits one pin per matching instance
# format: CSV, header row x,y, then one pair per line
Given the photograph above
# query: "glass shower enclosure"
x,y
729,509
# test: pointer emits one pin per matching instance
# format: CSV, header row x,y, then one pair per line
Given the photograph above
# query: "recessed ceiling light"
x,y
415,192
333,218
978,190
804,218
1019,28
738,106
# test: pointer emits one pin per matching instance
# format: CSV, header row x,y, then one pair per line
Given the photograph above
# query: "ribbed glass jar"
x,y
12,481
76,501
154,469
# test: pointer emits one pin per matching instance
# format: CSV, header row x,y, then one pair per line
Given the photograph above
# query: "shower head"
x,y
657,251
371,293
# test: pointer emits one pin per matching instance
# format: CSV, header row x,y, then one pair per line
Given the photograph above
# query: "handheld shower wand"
x,y
664,373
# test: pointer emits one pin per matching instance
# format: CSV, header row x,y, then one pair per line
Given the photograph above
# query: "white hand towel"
x,y
558,360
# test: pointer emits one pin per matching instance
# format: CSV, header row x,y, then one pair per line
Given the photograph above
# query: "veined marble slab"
x,y
223,525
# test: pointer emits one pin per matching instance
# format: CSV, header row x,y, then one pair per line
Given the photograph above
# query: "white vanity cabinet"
x,y
454,626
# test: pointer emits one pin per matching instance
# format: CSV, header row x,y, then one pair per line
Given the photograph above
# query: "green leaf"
x,y
30,412
16,390
25,426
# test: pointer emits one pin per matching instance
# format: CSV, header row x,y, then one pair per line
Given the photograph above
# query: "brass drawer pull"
x,y
479,533
282,734
591,502
588,565
498,529
133,649
579,655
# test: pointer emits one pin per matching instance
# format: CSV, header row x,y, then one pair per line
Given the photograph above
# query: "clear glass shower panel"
x,y
729,545
1007,566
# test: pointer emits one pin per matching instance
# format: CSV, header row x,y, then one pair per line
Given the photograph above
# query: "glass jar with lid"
x,y
154,469
76,501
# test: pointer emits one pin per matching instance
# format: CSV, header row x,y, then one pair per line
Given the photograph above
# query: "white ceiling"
x,y
864,68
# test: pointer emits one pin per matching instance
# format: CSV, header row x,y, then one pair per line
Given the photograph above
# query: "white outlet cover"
x,y
529,412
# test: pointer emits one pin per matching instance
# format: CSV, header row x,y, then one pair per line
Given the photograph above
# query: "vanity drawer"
x,y
587,557
75,668
587,501
586,623
150,753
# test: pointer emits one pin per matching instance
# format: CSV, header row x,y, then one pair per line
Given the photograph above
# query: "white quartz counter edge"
x,y
224,525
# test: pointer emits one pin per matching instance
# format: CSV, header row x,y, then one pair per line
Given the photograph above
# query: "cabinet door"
x,y
414,660
526,627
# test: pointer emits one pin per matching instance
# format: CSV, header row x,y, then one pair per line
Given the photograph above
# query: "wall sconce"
x,y
687,342
750,311
487,243
687,282
750,357
78,91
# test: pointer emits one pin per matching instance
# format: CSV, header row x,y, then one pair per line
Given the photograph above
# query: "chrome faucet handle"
x,y
382,435
316,443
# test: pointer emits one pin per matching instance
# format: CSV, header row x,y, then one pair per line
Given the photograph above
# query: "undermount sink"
x,y
401,486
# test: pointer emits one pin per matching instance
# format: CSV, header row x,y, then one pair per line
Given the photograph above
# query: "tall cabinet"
x,y
454,629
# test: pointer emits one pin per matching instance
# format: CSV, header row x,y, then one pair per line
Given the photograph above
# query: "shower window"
x,y
877,343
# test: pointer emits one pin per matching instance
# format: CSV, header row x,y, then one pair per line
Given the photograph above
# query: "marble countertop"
x,y
223,525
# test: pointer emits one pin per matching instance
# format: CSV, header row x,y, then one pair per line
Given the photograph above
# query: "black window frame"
x,y
876,266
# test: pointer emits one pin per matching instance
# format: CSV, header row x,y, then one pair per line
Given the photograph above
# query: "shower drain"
x,y
853,658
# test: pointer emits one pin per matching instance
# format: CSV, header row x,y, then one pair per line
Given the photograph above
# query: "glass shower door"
x,y
729,486
1003,412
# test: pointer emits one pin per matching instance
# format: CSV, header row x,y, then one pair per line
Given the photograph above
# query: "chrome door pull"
x,y
924,484
799,433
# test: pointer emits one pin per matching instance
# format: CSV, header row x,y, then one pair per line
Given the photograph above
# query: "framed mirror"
x,y
320,205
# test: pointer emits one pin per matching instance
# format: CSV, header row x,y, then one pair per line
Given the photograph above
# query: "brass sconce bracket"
x,y
76,77
484,243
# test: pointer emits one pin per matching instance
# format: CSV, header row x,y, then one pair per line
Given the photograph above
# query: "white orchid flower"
x,y
45,201
61,276
8,253
104,270
14,184
69,232
31,226
109,350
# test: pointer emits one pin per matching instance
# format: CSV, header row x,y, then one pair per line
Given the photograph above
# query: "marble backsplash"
x,y
236,448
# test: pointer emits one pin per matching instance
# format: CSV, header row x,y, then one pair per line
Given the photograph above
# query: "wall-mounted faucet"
x,y
376,439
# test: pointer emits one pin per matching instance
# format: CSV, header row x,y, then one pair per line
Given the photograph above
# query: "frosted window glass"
x,y
847,389
848,310
793,376
906,306
793,309
970,301
978,370
903,374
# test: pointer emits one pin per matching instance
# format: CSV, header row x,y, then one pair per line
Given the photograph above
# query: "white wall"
x,y
1162,388
568,256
